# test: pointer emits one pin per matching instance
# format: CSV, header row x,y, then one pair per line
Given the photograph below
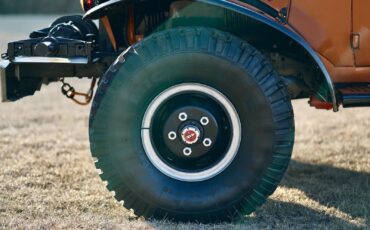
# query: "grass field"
x,y
48,180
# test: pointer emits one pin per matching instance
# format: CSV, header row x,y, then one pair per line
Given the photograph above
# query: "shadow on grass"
x,y
285,215
345,190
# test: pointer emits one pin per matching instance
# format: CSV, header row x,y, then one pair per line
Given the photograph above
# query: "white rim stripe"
x,y
191,176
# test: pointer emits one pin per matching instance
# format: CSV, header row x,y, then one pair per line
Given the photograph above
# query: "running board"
x,y
358,96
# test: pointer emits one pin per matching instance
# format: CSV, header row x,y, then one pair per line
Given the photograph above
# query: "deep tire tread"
x,y
225,46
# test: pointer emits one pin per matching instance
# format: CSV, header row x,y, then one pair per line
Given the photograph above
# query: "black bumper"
x,y
23,76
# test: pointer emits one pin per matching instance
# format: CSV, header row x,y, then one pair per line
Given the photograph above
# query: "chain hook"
x,y
70,92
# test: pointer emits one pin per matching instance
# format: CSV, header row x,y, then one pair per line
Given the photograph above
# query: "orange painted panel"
x,y
347,74
326,25
277,4
361,26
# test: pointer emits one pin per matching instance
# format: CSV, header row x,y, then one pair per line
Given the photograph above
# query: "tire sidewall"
x,y
127,98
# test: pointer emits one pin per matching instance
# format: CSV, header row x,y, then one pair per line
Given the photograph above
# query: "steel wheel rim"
x,y
182,175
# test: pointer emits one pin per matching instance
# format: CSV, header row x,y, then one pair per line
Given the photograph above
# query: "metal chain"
x,y
70,92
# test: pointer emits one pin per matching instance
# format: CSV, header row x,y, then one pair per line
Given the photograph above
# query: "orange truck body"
x,y
341,36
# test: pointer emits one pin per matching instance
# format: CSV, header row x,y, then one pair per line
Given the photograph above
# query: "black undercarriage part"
x,y
356,95
68,48
67,37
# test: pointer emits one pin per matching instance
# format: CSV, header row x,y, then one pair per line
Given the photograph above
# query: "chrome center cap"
x,y
190,134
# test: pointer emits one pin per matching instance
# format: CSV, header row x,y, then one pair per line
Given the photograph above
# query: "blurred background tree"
x,y
39,6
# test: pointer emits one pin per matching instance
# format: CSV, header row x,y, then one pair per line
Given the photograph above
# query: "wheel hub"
x,y
200,132
190,134
189,131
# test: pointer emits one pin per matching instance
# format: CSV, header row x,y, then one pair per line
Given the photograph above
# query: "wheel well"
x,y
293,63
299,70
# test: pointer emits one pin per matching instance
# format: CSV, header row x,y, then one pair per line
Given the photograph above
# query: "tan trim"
x,y
355,39
82,5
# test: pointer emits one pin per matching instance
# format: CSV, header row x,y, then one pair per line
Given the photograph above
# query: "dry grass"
x,y
48,180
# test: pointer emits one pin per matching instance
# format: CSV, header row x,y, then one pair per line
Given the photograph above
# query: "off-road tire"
x,y
213,58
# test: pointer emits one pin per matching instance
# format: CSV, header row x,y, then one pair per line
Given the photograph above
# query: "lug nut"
x,y
172,135
204,120
187,151
207,142
183,116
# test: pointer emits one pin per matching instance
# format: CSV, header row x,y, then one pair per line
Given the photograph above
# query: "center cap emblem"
x,y
190,134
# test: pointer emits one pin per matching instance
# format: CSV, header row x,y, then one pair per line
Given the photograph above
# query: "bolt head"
x,y
183,116
207,142
172,135
187,151
204,121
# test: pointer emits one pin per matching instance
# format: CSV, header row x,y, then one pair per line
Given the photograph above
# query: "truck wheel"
x,y
192,124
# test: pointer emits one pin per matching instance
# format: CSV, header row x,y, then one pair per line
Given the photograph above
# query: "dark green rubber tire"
x,y
205,56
